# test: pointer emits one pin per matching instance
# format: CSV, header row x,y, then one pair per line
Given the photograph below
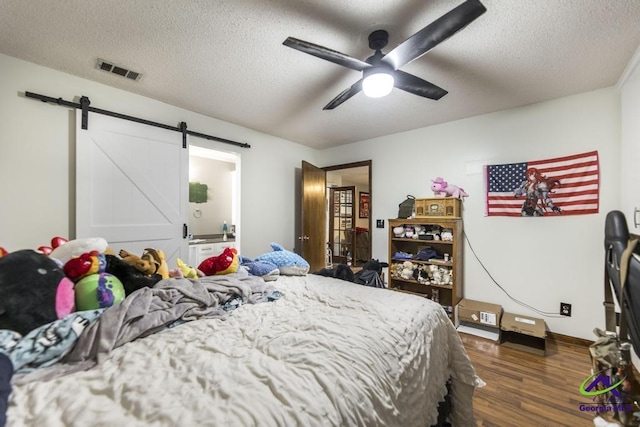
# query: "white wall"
x,y
540,261
37,150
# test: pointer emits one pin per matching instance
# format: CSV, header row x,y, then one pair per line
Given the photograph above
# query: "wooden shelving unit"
x,y
436,278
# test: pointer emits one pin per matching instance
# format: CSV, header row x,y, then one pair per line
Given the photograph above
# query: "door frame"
x,y
204,149
369,165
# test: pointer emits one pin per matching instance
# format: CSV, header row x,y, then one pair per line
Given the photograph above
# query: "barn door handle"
x,y
635,217
185,231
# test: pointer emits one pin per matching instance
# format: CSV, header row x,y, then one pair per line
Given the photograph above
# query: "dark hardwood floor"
x,y
524,389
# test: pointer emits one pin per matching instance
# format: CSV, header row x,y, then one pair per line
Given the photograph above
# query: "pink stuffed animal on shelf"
x,y
442,188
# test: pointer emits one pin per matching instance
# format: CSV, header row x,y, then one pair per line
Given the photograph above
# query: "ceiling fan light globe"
x,y
377,85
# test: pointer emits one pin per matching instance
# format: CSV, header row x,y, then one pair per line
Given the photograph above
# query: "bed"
x,y
324,353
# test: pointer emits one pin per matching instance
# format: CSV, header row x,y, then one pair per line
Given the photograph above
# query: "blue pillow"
x,y
289,263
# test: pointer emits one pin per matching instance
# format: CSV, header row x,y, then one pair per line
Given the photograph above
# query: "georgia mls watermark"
x,y
589,387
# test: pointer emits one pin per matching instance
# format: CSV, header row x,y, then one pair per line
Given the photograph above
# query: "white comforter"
x,y
328,353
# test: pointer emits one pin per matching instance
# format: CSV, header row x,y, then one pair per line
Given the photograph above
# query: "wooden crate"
x,y
442,207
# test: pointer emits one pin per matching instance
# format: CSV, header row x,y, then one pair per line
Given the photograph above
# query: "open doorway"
x,y
348,227
214,195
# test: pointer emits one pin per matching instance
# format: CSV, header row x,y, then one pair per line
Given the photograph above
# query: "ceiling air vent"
x,y
116,69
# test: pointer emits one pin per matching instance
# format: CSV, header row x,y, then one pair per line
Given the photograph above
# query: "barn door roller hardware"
x,y
84,106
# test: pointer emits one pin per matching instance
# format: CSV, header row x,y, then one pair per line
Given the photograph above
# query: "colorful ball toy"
x,y
98,291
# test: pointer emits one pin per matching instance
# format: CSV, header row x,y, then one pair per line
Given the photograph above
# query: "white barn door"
x,y
132,186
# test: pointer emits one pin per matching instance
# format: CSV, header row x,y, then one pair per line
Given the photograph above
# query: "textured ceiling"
x,y
225,58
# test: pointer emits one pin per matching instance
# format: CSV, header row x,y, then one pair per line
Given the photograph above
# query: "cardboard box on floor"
x,y
523,333
479,318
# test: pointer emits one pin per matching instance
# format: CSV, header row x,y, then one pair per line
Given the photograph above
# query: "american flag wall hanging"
x,y
553,187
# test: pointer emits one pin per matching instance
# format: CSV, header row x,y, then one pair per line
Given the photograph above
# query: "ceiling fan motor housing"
x,y
380,67
378,39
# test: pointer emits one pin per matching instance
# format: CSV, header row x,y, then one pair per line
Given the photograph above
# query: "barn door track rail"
x,y
84,106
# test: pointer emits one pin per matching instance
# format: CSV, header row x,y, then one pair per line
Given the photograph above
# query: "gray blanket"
x,y
149,310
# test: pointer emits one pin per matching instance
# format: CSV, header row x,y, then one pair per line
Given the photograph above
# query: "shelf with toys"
x,y
416,282
425,258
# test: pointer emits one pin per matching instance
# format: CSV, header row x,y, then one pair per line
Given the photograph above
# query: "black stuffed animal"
x,y
375,265
33,291
370,274
132,279
340,271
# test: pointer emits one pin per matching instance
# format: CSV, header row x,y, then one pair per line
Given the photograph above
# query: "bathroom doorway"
x,y
214,194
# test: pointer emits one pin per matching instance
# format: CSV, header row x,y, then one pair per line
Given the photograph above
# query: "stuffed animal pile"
x,y
39,287
77,280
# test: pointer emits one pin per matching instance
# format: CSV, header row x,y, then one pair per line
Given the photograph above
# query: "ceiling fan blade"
x,y
344,95
417,86
326,54
434,33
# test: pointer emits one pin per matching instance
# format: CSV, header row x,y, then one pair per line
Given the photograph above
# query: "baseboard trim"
x,y
568,339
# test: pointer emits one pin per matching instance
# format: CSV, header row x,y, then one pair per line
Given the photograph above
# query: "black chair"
x,y
616,239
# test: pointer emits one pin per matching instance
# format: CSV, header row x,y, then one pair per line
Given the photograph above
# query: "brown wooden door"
x,y
314,220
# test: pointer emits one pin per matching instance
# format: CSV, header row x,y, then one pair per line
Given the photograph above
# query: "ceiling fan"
x,y
381,72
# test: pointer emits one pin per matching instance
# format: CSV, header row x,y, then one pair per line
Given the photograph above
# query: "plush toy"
x,y
440,275
225,263
101,290
73,248
442,188
145,264
340,271
408,232
187,271
396,269
446,276
85,265
132,279
407,270
33,291
267,270
158,256
398,231
375,265
289,263
55,242
421,274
